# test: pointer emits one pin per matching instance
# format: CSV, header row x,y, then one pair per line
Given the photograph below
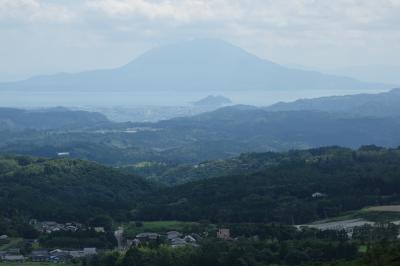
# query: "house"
x,y
14,251
59,255
76,254
48,223
186,241
13,258
86,252
224,234
40,255
173,234
178,242
147,236
132,242
99,229
196,236
189,239
89,251
2,254
317,195
71,228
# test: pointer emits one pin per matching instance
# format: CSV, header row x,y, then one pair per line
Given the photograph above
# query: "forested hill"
x,y
283,193
271,187
247,128
220,134
172,175
47,119
372,105
65,190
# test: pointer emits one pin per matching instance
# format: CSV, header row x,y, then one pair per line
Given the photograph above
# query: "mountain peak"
x,y
213,101
206,66
205,52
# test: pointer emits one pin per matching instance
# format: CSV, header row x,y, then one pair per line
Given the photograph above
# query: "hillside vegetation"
x,y
12,119
65,190
270,187
348,180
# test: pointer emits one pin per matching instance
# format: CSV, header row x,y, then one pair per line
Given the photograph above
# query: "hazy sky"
x,y
47,36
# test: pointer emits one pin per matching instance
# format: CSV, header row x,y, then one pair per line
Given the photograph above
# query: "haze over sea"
x,y
115,98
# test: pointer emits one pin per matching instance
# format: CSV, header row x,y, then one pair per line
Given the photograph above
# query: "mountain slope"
x,y
224,133
371,73
45,119
200,65
283,193
257,129
374,105
68,190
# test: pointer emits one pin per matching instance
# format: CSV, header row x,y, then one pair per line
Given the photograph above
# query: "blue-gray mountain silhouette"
x,y
198,65
385,104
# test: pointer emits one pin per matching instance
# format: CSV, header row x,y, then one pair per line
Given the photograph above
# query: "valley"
x,y
266,200
199,133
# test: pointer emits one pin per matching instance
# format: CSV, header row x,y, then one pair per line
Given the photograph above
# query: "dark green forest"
x,y
277,188
282,191
259,196
65,190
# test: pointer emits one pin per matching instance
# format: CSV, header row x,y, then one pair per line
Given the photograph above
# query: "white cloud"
x,y
178,10
34,11
255,15
298,31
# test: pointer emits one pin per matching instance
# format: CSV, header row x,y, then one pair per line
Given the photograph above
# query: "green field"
x,y
362,249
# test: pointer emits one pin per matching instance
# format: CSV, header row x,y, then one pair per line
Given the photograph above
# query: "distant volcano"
x,y
200,66
213,101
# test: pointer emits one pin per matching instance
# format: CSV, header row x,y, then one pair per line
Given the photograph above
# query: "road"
x,y
119,236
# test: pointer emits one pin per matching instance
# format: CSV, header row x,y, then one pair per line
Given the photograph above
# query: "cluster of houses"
x,y
13,254
51,226
57,255
173,238
176,239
